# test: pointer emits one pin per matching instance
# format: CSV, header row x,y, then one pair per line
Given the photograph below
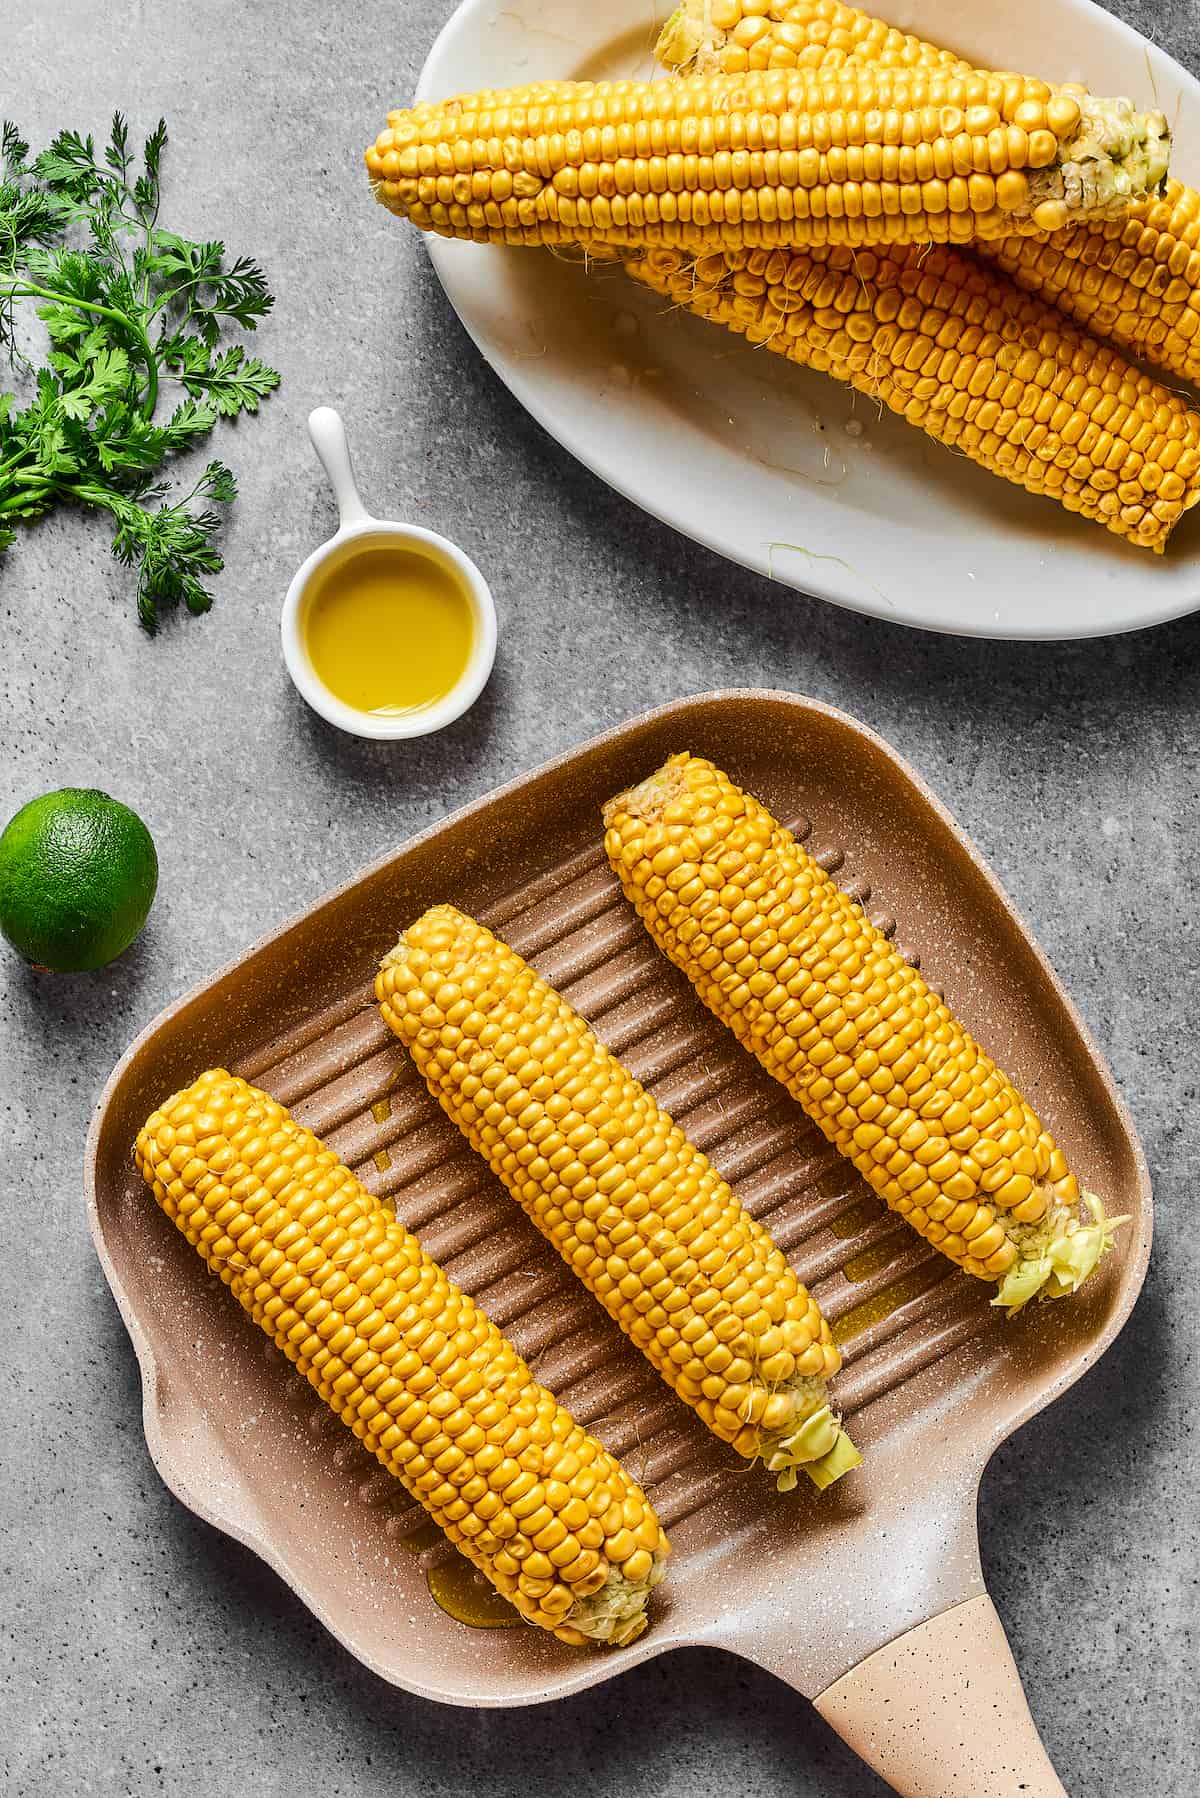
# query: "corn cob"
x,y
855,155
637,1211
731,37
408,1361
1134,281
971,360
830,1008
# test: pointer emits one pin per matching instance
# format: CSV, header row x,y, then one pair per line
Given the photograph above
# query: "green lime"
x,y
77,878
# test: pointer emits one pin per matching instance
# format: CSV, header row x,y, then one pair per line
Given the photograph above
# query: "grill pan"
x,y
869,1598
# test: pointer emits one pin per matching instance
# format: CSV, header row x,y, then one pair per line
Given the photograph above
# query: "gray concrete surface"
x,y
144,1653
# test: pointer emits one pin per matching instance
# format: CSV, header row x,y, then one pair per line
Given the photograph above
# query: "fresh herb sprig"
x,y
132,311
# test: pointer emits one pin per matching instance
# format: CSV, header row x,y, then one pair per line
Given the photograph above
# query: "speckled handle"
x,y
940,1712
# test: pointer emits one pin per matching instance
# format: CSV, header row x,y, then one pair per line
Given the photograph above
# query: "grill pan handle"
x,y
941,1711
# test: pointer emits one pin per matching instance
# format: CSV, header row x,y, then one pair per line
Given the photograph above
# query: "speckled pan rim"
x,y
589,1670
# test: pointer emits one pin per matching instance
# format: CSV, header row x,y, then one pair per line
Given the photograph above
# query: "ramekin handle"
x,y
328,434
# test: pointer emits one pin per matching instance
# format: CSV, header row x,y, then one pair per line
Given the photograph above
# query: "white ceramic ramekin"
x,y
358,530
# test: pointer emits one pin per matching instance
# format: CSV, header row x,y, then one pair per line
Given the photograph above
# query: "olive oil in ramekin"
x,y
388,630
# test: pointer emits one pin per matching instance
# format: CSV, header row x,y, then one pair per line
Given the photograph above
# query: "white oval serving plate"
x,y
775,466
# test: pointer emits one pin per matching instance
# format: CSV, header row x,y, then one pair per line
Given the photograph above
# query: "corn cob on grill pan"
x,y
868,1597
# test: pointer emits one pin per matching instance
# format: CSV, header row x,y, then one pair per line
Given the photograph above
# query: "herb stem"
x,y
150,398
87,494
27,291
25,496
21,456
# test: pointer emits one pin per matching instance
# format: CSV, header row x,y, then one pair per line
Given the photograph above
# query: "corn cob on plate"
x,y
934,1378
864,154
799,303
976,363
781,468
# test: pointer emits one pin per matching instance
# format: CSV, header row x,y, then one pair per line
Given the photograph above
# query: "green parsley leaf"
x,y
232,382
172,547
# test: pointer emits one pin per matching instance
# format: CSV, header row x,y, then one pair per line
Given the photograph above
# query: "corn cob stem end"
x,y
820,1447
616,1614
1058,1255
842,1457
689,40
650,798
1113,155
